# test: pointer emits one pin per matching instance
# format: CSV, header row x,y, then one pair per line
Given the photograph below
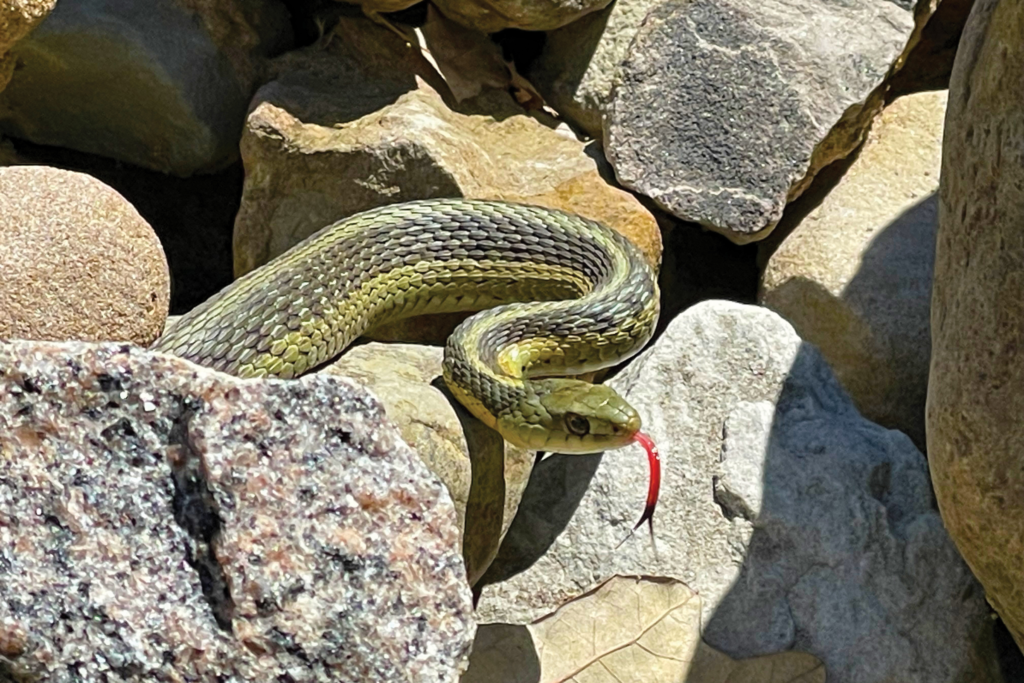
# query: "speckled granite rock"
x,y
161,521
78,262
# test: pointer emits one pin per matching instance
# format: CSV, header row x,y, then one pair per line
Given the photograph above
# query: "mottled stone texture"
x,y
801,524
726,109
77,261
163,522
975,413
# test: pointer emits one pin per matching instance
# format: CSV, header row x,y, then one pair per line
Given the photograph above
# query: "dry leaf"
x,y
468,60
627,630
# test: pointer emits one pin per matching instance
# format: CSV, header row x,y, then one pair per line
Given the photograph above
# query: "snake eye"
x,y
577,424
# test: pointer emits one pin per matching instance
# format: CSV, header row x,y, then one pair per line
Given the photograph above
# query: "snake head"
x,y
570,416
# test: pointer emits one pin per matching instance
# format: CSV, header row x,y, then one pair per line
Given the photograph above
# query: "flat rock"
x,y
162,85
484,475
854,277
725,111
976,385
802,525
162,521
78,261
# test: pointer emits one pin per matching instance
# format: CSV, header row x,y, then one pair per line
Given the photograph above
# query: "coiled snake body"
x,y
593,302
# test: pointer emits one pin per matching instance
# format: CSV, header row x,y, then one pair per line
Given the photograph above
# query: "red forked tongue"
x,y
655,482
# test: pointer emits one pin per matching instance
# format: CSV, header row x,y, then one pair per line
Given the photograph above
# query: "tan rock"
x,y
490,16
484,475
78,261
854,277
976,385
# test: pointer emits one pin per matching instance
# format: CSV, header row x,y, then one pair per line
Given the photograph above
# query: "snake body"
x,y
563,295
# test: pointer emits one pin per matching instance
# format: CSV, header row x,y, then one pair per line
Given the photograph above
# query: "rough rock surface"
x,y
163,85
724,111
161,521
484,475
854,278
78,261
490,16
976,386
801,524
17,18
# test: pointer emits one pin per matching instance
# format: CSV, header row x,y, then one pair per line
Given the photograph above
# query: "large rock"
x,y
801,524
162,521
78,261
484,475
976,386
855,275
162,84
725,111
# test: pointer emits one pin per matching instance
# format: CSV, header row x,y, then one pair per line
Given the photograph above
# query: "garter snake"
x,y
560,295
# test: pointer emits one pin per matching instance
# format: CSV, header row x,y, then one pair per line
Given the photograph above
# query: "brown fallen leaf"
x,y
470,61
627,630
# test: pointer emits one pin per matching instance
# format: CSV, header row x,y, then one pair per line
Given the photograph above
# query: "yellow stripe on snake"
x,y
564,296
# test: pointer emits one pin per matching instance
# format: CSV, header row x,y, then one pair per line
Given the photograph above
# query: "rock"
x,y
162,521
78,261
802,525
17,18
928,58
725,111
327,139
491,16
855,276
163,86
976,385
484,475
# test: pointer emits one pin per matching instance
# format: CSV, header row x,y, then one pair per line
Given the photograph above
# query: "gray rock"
x,y
161,521
976,384
724,111
801,524
155,84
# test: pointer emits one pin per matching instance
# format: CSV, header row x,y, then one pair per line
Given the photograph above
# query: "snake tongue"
x,y
654,461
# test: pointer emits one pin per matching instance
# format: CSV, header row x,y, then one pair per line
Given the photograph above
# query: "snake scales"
x,y
577,297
